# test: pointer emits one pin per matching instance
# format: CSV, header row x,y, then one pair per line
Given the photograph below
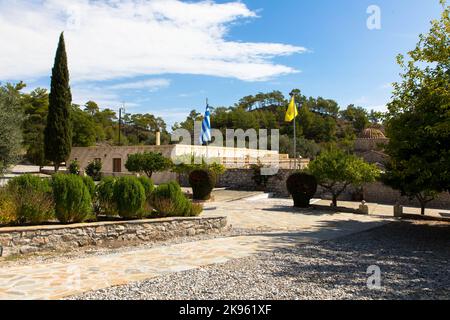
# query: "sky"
x,y
166,57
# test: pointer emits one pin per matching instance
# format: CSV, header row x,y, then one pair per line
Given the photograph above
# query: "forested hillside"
x,y
321,122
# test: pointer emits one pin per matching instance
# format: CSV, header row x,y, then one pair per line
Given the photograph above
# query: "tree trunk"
x,y
422,209
56,167
334,200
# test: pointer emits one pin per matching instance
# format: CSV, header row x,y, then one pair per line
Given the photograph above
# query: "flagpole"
x,y
295,133
207,142
295,143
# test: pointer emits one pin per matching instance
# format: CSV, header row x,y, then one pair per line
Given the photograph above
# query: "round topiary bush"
x,y
169,201
32,197
202,183
129,196
302,186
105,203
90,184
73,201
148,185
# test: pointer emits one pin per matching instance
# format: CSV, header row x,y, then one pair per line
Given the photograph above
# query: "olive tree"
x,y
147,162
336,170
418,123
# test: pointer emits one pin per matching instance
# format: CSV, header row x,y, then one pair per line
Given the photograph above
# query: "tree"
x,y
58,132
11,117
376,117
91,107
147,162
84,128
35,106
336,170
357,116
418,121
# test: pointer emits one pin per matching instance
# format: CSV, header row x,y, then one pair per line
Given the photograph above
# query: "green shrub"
x,y
90,184
202,183
129,195
94,170
32,198
196,209
73,201
28,181
302,186
8,207
74,167
106,204
169,201
148,185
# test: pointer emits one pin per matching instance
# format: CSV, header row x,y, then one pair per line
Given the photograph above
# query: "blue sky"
x,y
166,57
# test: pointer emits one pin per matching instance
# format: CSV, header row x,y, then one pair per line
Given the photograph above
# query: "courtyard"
x,y
269,250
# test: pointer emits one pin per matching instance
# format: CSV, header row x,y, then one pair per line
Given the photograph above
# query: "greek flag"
x,y
205,135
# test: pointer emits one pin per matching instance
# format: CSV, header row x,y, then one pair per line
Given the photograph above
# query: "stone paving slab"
x,y
267,215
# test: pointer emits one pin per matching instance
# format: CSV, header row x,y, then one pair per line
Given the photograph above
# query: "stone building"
x,y
369,146
113,158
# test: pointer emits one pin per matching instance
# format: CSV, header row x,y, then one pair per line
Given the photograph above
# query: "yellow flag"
x,y
292,111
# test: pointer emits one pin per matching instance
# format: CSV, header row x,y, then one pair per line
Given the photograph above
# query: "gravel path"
x,y
413,257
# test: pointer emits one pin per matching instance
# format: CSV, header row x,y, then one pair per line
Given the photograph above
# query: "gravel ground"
x,y
413,257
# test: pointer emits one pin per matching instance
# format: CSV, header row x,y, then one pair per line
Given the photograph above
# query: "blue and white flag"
x,y
205,135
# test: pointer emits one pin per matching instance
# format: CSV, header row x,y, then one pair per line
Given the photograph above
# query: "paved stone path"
x,y
278,223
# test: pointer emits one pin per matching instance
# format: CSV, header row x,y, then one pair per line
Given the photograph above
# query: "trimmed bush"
x,y
73,201
8,207
202,183
32,198
74,167
129,195
106,204
196,209
90,184
28,181
148,185
94,170
169,201
302,186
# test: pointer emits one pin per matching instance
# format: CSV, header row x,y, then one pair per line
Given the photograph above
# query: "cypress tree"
x,y
58,132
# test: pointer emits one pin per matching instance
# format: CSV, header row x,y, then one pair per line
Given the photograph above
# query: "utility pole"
x,y
121,109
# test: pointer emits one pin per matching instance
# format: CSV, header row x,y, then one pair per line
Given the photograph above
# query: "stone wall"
x,y
372,192
242,179
237,179
379,193
21,240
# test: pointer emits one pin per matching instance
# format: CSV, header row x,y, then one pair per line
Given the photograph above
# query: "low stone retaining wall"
x,y
21,240
371,192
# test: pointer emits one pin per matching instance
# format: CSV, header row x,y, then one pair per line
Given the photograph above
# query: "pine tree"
x,y
58,132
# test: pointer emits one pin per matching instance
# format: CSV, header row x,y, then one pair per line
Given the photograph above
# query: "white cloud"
x,y
103,97
151,85
126,38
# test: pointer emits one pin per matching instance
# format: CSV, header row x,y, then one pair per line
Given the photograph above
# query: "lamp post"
x,y
121,109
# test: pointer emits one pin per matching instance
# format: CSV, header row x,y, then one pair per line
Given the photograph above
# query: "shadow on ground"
x,y
413,258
